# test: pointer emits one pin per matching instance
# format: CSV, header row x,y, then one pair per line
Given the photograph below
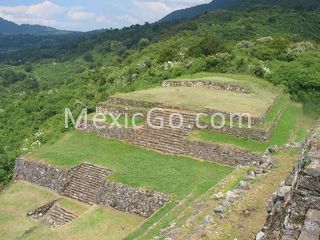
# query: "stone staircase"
x,y
86,182
58,216
166,139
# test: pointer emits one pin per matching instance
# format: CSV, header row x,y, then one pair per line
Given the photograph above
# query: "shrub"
x,y
28,67
209,45
88,57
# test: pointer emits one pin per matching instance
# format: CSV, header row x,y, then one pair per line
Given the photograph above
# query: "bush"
x,y
144,42
28,67
88,57
209,45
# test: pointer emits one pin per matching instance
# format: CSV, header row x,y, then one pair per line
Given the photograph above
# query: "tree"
x,y
209,45
144,42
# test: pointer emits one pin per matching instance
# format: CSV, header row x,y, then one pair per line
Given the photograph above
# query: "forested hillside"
x,y
38,81
237,4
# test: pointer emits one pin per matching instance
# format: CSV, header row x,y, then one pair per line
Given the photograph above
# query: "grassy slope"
x,y
93,222
177,176
273,114
281,134
237,224
132,165
189,206
263,94
200,98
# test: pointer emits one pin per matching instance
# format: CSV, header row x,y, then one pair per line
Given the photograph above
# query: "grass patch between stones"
x,y
281,134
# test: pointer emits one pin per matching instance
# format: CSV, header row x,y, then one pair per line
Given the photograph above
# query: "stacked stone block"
x,y
295,208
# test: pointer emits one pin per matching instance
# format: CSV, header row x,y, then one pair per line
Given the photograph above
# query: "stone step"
x,y
82,189
166,122
163,143
168,129
86,182
168,112
81,194
165,148
180,131
159,140
60,216
91,176
82,197
166,138
90,171
82,184
166,118
161,134
94,168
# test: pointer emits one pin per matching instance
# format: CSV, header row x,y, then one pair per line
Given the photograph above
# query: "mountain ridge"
x,y
11,28
225,4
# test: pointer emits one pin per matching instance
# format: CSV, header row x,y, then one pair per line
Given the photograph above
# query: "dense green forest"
x,y
38,81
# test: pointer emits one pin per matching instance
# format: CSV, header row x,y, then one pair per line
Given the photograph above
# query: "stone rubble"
x,y
294,210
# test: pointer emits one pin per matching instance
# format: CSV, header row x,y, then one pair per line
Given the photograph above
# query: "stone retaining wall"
x,y
234,116
105,130
219,153
206,84
123,103
136,201
43,174
121,197
135,103
105,108
259,134
225,154
294,211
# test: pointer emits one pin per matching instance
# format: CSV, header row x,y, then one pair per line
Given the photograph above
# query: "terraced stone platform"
x,y
86,183
58,216
161,135
52,214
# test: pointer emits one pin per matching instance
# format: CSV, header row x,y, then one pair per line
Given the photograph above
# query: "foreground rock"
x,y
295,208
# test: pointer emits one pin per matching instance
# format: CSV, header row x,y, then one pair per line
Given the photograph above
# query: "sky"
x,y
85,15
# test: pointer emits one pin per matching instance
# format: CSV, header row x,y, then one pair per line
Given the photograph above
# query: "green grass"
x,y
137,167
202,98
271,116
164,217
92,223
132,165
301,134
281,134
